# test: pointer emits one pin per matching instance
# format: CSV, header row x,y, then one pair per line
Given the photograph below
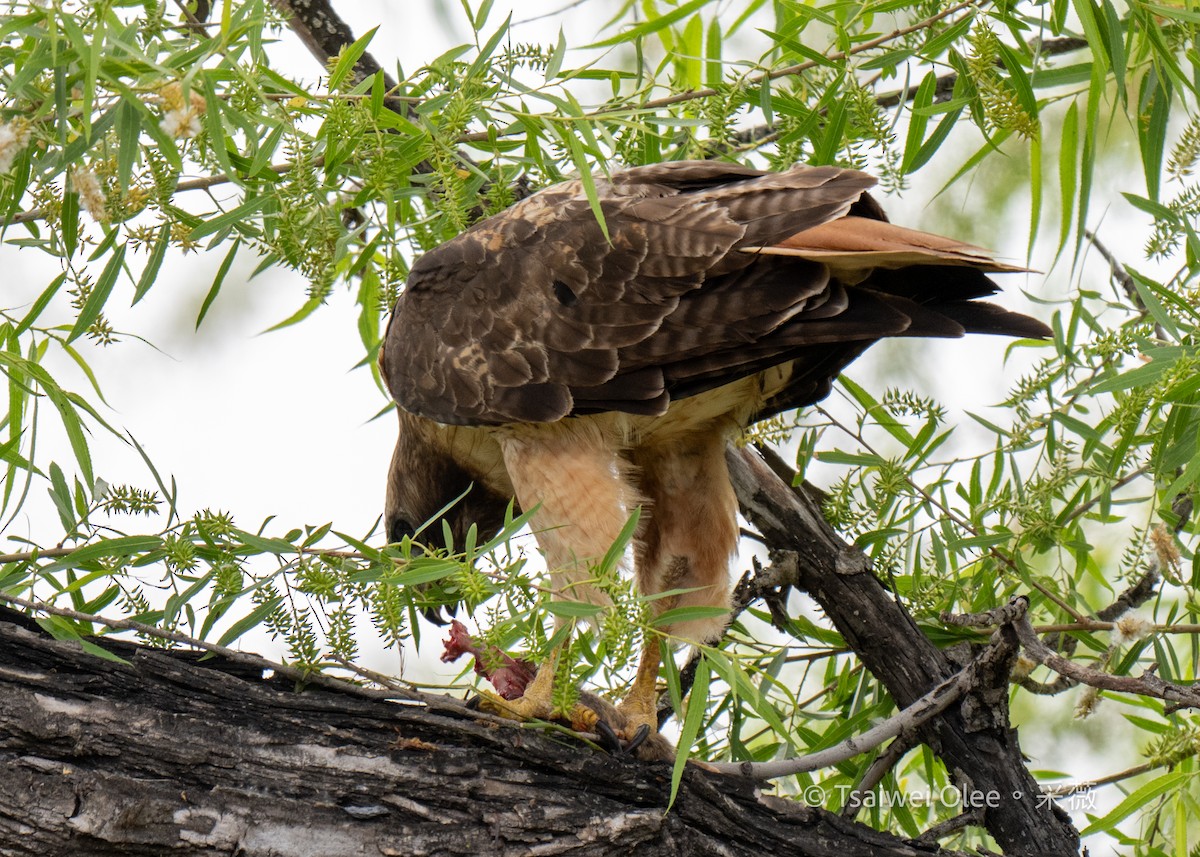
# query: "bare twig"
x,y
1147,684
192,184
1059,638
1084,508
371,675
1137,770
1170,628
924,709
951,825
28,556
874,774
1141,591
1061,684
1120,276
551,14
58,553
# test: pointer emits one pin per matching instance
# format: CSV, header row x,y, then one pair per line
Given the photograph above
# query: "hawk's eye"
x,y
398,528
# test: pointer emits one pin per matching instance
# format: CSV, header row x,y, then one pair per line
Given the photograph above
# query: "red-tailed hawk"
x,y
534,358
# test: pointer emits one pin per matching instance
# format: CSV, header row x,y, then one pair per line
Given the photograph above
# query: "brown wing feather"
x,y
533,315
515,318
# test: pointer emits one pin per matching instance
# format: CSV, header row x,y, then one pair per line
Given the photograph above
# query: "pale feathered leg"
x,y
687,536
583,500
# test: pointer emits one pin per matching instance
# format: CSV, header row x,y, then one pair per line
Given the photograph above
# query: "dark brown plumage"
x,y
533,357
532,315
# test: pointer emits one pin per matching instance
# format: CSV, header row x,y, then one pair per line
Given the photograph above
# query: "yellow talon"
x,y
632,723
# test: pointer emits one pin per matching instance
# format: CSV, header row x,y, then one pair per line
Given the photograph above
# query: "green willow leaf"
x,y
157,254
349,58
250,621
652,26
692,721
99,295
122,546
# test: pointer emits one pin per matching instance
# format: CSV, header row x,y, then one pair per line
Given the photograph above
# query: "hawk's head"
x,y
426,486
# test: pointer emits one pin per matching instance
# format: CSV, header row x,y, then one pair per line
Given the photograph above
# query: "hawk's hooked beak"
x,y
397,530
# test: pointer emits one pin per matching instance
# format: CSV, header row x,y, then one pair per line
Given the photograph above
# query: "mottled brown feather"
x,y
714,272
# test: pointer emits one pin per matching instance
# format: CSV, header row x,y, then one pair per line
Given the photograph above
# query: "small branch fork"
x,y
1014,615
1013,627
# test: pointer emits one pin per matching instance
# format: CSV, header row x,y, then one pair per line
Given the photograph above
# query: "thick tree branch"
x,y
325,34
171,753
974,739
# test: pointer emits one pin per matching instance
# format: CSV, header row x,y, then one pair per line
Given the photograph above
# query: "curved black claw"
x,y
474,703
638,739
612,743
608,739
434,614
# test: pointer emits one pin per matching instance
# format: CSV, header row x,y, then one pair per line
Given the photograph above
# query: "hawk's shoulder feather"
x,y
703,274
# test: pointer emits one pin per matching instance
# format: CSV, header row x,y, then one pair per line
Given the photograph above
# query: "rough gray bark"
x,y
171,754
318,25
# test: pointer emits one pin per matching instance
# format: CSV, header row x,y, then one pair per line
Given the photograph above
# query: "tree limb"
x,y
975,739
174,753
321,29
